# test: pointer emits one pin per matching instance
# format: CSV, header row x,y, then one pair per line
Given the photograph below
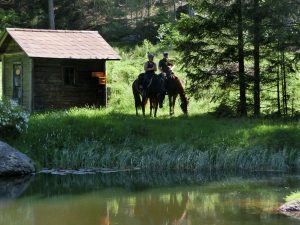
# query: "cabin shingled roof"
x,y
62,44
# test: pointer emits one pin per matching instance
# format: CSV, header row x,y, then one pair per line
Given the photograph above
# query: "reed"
x,y
91,137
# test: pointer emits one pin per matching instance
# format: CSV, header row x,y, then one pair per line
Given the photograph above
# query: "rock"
x,y
13,162
85,171
291,209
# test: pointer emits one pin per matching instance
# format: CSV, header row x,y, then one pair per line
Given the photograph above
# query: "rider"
x,y
150,68
165,66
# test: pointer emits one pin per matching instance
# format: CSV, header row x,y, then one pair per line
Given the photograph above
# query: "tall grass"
x,y
90,137
115,137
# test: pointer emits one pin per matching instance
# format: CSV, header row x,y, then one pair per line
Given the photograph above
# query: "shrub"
x,y
13,118
224,110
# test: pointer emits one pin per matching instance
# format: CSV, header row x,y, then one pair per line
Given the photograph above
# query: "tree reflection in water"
x,y
131,199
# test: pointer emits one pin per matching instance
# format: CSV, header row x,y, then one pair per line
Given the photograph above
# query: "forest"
x,y
233,154
238,60
243,55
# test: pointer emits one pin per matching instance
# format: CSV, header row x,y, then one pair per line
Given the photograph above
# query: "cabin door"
x,y
17,82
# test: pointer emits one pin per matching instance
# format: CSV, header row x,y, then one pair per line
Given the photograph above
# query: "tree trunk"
x,y
284,91
149,8
242,83
256,53
51,14
174,5
278,87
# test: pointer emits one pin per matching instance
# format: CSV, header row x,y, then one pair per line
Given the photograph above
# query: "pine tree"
x,y
213,48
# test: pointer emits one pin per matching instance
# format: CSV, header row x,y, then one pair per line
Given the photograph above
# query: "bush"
x,y
13,118
224,110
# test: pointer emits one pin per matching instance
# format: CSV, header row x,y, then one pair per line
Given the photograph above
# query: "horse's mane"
x,y
180,85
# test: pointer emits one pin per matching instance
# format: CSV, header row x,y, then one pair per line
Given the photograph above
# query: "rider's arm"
x,y
146,67
160,66
171,65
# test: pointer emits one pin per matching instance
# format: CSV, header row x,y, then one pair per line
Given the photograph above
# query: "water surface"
x,y
148,199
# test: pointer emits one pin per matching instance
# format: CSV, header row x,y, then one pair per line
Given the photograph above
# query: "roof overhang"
x,y
61,44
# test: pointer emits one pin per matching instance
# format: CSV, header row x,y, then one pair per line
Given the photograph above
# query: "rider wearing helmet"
x,y
150,66
165,66
150,69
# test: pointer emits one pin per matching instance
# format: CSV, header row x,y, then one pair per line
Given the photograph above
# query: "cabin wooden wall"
x,y
50,92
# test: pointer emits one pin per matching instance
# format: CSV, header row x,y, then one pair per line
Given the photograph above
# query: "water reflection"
x,y
132,199
13,187
49,185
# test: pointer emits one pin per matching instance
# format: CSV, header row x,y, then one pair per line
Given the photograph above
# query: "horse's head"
x,y
184,105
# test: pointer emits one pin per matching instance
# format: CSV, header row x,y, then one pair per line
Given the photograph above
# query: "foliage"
x,y
293,196
223,110
13,119
209,45
209,50
116,20
167,35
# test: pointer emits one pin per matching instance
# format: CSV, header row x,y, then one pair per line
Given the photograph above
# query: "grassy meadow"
x,y
115,137
92,138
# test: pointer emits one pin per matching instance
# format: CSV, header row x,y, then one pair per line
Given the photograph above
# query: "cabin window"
x,y
69,75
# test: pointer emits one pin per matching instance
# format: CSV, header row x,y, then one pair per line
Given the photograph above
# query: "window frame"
x,y
72,82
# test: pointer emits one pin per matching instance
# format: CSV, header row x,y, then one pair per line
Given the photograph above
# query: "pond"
x,y
147,199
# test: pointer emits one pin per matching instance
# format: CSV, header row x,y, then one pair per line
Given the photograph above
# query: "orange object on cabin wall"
x,y
101,76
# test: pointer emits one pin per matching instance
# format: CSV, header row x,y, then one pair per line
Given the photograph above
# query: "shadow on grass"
x,y
90,133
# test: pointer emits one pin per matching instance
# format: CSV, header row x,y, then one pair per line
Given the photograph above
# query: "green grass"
x,y
293,196
115,137
104,138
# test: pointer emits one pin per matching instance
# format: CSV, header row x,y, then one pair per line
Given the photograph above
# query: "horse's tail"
x,y
136,94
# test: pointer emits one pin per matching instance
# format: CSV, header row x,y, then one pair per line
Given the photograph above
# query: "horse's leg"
x,y
143,105
170,105
155,108
173,104
151,102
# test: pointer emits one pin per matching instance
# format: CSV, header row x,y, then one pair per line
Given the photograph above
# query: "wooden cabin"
x,y
54,69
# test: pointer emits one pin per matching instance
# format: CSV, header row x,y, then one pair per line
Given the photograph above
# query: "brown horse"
x,y
155,93
174,88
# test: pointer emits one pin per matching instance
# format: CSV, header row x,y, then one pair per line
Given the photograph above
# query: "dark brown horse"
x,y
155,93
174,88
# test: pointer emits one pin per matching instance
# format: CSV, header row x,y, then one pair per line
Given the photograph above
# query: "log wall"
x,y
50,92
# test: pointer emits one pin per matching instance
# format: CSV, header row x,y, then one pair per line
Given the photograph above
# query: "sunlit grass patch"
x,y
293,196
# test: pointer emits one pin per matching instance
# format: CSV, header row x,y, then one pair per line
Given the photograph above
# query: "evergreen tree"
x,y
217,42
213,49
